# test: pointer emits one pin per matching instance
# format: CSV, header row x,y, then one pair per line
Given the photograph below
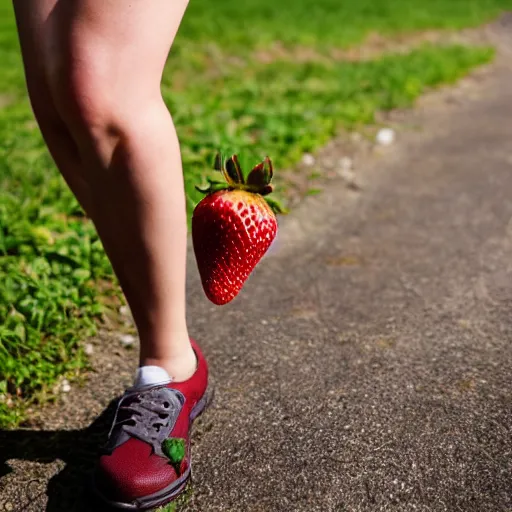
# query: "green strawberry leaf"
x,y
217,164
268,169
215,182
233,172
211,188
203,189
276,206
257,176
260,177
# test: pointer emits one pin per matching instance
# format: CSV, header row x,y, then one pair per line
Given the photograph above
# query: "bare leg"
x,y
103,61
31,18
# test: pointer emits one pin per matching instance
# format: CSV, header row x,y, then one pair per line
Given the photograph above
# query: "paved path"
x,y
368,364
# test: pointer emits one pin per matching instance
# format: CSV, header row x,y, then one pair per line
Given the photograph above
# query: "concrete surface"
x,y
367,366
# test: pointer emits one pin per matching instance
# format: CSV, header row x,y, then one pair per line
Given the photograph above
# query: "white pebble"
x,y
88,349
345,163
65,386
308,159
385,136
127,340
124,310
350,178
347,174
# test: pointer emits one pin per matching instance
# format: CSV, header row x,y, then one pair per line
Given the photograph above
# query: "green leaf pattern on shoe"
x,y
174,449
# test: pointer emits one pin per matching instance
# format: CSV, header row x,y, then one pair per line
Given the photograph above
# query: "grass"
x,y
241,26
180,502
56,282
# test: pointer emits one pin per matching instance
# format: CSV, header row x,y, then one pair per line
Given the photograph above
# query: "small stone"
x,y
65,386
385,136
127,340
88,349
345,163
350,178
308,159
124,310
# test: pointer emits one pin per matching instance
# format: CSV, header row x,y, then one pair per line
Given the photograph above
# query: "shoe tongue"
x,y
151,376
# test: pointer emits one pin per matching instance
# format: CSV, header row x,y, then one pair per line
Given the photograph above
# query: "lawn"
x,y
56,282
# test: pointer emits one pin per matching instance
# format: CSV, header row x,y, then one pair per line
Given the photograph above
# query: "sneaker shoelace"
x,y
148,415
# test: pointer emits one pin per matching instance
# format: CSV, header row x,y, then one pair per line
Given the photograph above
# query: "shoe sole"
x,y
169,494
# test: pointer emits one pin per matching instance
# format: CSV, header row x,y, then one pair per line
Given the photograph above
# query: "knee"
x,y
102,102
84,98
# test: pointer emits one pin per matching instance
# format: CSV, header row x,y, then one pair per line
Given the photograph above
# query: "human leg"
x,y
102,64
31,18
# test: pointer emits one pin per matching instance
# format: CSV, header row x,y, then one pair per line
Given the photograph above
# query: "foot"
x,y
146,462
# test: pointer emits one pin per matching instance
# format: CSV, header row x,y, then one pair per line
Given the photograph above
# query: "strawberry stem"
x,y
258,180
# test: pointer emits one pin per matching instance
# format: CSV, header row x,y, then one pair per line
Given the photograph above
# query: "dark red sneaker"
x,y
146,462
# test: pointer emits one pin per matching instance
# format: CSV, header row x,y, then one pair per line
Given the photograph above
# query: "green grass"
x,y
240,26
56,282
180,502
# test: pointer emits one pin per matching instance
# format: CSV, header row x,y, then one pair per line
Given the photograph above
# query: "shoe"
x,y
146,461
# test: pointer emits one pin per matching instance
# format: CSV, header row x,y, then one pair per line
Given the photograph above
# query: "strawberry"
x,y
232,228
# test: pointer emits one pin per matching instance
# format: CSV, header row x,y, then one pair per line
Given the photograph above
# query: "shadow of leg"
x,y
68,490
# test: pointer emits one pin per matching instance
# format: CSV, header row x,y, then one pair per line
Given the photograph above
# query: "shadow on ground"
x,y
70,488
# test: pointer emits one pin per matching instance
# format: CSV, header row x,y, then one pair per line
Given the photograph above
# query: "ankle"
x,y
180,367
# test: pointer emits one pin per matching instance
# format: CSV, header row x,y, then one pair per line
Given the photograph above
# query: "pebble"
x,y
308,159
65,386
88,349
127,340
124,310
350,178
385,136
345,163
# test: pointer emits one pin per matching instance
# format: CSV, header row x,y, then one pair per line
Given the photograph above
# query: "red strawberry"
x,y
232,228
